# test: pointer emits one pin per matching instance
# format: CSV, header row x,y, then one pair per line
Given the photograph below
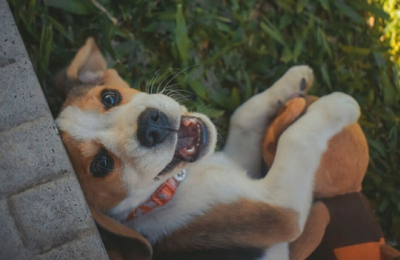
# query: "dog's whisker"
x,y
178,98
179,73
178,89
150,79
176,93
154,78
167,88
173,92
165,78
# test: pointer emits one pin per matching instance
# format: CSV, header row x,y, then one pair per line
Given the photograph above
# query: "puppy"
x,y
149,164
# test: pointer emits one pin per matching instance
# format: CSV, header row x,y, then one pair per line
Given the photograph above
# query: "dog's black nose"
x,y
153,127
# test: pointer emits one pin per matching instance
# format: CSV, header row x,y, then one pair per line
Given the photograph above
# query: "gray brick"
x,y
88,248
30,154
11,246
51,214
51,218
21,97
11,46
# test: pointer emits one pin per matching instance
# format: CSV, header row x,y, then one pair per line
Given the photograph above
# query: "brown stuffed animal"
x,y
341,225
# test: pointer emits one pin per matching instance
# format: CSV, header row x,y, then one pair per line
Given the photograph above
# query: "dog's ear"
x,y
89,65
121,242
88,68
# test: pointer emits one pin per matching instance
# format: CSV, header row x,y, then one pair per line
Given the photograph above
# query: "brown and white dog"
x,y
125,145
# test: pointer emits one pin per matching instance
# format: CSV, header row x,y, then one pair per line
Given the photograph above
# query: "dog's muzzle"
x,y
153,127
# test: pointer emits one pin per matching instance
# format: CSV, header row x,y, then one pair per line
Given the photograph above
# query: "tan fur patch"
x,y
243,223
101,193
330,179
112,78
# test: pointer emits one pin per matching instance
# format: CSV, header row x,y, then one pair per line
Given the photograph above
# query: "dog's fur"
x,y
221,208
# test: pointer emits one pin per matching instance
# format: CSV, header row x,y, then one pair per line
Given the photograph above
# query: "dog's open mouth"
x,y
192,140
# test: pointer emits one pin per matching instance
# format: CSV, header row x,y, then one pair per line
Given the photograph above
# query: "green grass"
x,y
223,52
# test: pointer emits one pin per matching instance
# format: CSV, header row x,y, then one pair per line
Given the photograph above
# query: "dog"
x,y
148,165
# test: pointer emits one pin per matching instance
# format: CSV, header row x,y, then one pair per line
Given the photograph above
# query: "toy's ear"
x,y
121,242
313,232
286,116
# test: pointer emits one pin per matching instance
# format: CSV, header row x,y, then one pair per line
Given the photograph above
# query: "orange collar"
x,y
160,197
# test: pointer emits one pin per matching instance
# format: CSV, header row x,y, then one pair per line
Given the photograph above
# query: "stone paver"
x,y
20,99
31,154
43,213
11,46
59,214
9,236
76,249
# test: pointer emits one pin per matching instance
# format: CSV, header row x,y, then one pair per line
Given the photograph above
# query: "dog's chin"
x,y
194,143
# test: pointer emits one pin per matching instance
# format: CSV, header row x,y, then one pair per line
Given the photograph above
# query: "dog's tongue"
x,y
188,139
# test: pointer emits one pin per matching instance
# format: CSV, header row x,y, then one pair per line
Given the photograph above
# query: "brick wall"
x,y
43,214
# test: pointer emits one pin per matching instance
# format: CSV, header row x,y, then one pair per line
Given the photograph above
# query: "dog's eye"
x,y
102,165
110,98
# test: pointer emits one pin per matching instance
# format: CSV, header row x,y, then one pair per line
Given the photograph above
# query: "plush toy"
x,y
341,225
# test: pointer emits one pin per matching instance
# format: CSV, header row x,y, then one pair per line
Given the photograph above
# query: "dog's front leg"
x,y
248,123
300,148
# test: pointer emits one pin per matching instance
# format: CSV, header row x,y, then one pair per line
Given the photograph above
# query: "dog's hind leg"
x,y
248,123
289,182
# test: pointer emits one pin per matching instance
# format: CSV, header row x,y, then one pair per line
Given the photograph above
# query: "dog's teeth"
x,y
193,120
186,122
198,143
190,150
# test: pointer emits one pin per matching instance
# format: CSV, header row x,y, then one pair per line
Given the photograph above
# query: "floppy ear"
x,y
88,68
121,243
89,65
285,117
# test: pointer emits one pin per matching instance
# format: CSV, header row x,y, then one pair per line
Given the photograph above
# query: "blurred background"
x,y
214,55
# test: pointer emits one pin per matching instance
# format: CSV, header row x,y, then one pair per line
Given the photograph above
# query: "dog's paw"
x,y
294,83
338,108
303,75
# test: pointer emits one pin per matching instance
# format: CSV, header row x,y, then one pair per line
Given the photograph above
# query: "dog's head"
x,y
123,142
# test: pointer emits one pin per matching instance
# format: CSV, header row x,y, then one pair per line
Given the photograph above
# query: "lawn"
x,y
216,54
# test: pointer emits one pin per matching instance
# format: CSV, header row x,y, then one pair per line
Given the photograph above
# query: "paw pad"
x,y
303,84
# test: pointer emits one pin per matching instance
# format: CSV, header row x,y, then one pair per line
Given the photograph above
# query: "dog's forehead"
x,y
83,112
88,97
